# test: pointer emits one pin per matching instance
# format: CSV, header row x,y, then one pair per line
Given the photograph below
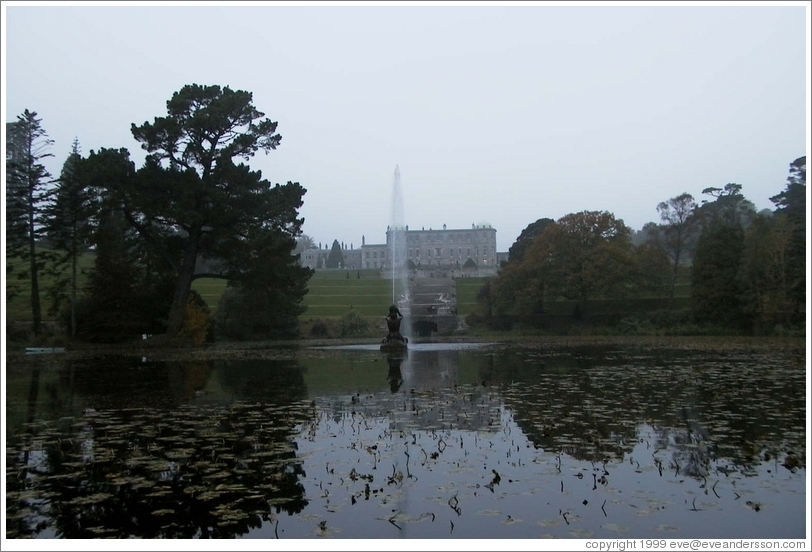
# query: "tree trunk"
x,y
673,286
183,286
73,291
36,309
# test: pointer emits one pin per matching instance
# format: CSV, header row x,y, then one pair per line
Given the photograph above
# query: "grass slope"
x,y
333,293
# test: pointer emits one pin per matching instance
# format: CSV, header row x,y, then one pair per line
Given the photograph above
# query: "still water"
x,y
450,441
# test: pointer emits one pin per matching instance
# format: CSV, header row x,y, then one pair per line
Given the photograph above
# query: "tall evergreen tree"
x,y
27,190
108,313
791,204
131,283
729,204
715,290
792,201
265,294
69,227
335,259
16,220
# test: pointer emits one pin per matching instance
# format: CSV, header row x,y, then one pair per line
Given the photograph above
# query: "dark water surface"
x,y
453,441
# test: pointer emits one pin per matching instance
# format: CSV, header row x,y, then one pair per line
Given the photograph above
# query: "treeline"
x,y
193,206
747,268
194,209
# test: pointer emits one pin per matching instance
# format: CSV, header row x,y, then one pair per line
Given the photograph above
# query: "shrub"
x,y
99,323
635,325
17,332
788,331
353,324
501,322
249,315
664,318
197,323
474,319
319,329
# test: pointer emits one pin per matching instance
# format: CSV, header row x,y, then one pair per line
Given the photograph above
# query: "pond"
x,y
450,441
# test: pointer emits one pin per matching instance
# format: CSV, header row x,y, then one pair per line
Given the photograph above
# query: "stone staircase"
x,y
433,297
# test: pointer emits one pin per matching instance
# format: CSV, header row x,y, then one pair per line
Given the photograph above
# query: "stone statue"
x,y
393,320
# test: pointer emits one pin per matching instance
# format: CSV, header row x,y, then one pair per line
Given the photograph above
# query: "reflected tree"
x,y
213,471
589,403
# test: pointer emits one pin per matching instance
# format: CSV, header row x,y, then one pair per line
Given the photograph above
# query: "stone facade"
x,y
460,251
317,258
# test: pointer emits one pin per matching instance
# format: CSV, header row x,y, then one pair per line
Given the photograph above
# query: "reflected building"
x,y
426,397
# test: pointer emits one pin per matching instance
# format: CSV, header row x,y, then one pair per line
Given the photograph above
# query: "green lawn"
x,y
333,293
467,290
18,291
330,294
210,289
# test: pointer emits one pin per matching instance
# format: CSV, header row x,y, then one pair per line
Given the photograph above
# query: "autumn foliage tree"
x,y
580,257
764,272
524,241
772,270
584,256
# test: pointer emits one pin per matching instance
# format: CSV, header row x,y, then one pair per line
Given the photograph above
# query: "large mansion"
x,y
447,249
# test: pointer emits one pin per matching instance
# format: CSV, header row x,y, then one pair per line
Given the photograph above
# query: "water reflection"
x,y
160,464
589,403
395,377
450,442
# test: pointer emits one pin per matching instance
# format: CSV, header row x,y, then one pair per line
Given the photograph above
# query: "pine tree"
x,y
26,191
335,259
194,198
791,205
68,227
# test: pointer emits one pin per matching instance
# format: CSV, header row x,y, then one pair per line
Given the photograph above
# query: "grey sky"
x,y
501,114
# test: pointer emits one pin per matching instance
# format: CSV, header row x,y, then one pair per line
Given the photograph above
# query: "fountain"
x,y
398,264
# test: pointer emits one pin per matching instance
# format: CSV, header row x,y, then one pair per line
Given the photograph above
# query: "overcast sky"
x,y
499,114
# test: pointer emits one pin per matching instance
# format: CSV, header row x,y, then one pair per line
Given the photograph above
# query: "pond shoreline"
x,y
161,350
